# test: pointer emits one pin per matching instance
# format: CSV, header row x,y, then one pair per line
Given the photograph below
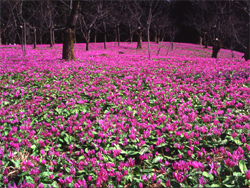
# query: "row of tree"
x,y
224,21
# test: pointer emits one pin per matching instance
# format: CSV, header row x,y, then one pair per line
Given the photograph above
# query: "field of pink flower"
x,y
113,119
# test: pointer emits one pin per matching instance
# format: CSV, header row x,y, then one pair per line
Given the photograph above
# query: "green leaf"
x,y
229,185
29,179
242,166
44,174
81,157
156,159
33,147
229,179
209,176
237,174
215,185
147,171
129,108
16,163
67,139
133,152
237,141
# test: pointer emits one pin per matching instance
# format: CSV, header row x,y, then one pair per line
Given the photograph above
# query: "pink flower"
x,y
248,175
140,185
51,176
168,184
202,181
125,172
5,180
89,178
234,134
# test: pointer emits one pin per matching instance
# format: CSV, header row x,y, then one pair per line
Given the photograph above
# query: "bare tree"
x,y
117,16
90,13
136,14
201,19
245,6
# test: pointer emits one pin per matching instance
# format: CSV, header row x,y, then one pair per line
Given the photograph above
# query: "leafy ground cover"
x,y
113,119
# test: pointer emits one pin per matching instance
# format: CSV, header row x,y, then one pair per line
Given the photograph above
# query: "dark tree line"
x,y
219,23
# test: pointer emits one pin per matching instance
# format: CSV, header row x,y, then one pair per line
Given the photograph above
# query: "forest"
x,y
48,22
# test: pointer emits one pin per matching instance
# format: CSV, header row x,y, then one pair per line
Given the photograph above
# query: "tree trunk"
x,y
155,39
115,34
158,35
148,41
24,34
34,38
205,40
172,45
232,53
130,34
118,33
75,36
200,41
105,35
139,40
68,38
216,48
247,52
51,36
21,39
0,32
95,36
88,39
87,46
68,45
41,39
159,47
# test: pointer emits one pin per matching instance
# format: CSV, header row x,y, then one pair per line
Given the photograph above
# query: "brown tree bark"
x,y
24,35
205,40
51,37
87,40
247,51
68,38
130,34
95,36
118,33
34,29
105,35
148,41
41,39
216,48
115,33
246,54
75,36
139,40
156,34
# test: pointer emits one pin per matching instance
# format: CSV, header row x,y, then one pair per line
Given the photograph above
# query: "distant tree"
x,y
201,19
135,16
90,13
223,20
244,5
117,16
104,20
143,14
